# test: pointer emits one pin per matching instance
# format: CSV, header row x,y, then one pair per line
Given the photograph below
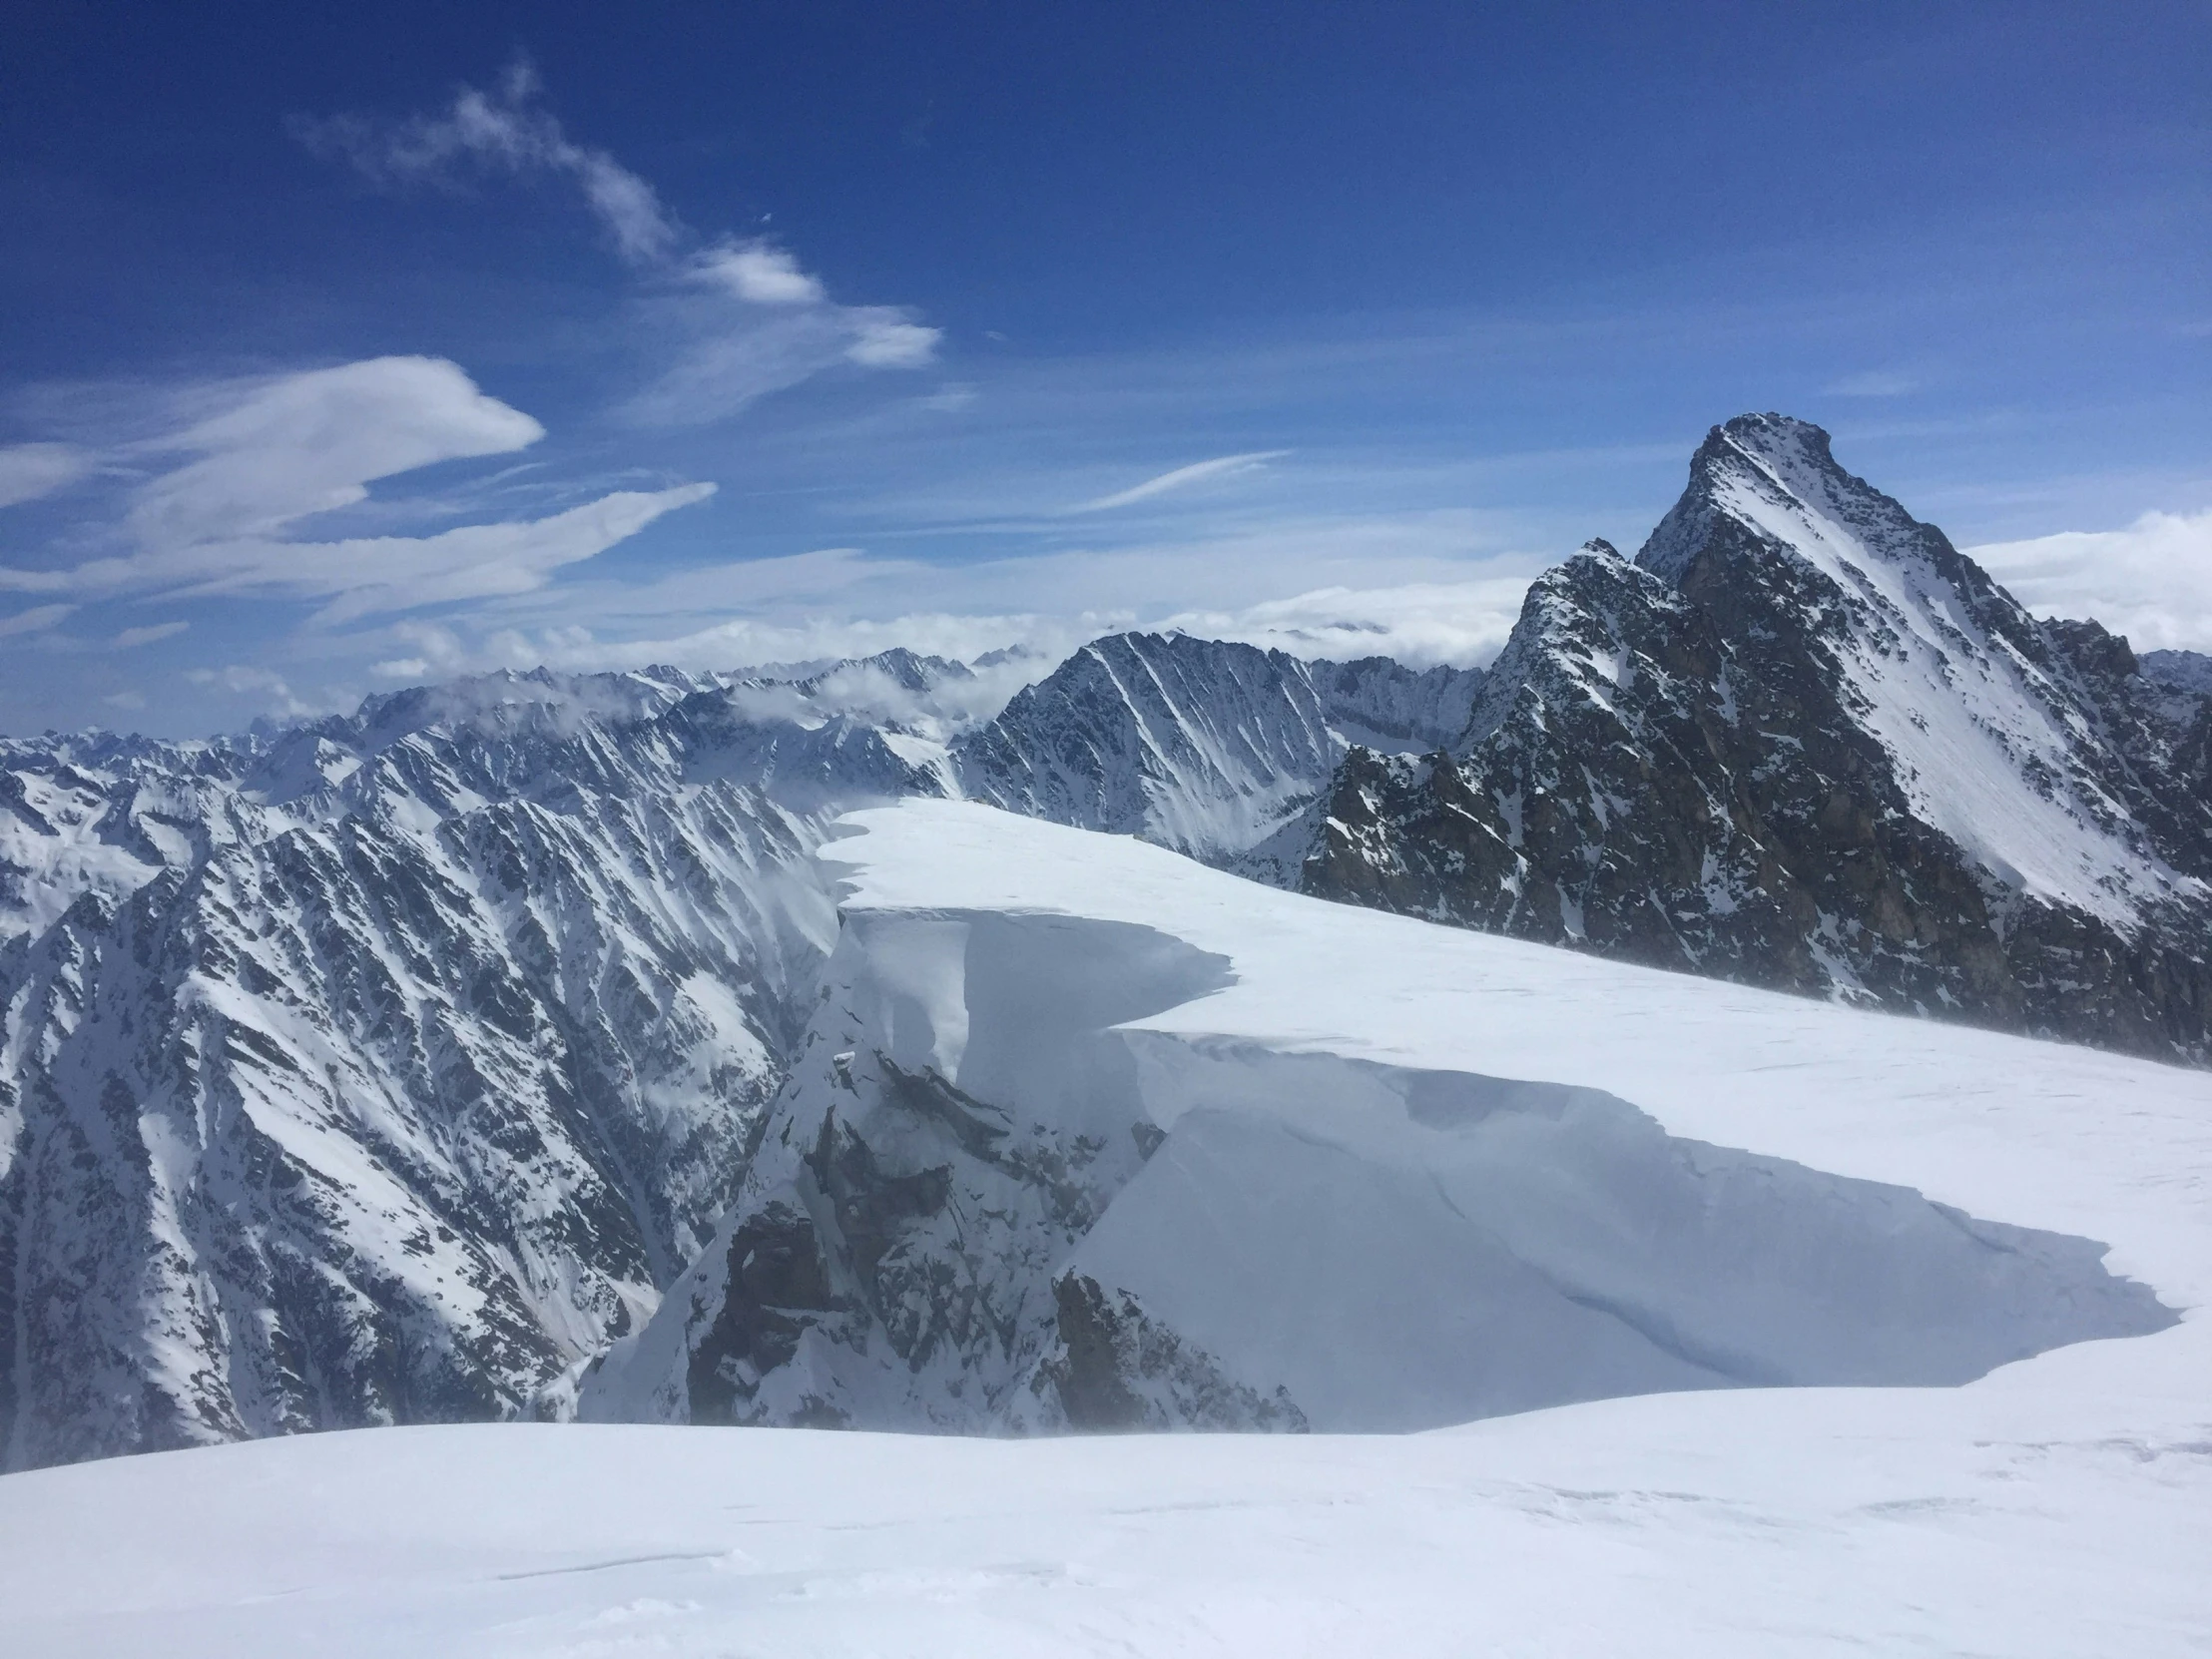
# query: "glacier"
x,y
1083,1134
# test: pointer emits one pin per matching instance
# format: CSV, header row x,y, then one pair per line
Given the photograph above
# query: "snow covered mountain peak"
x,y
1216,748
1802,738
389,1067
1936,662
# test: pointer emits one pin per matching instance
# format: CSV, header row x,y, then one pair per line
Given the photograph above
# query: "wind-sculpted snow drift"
x,y
1021,1177
1323,1078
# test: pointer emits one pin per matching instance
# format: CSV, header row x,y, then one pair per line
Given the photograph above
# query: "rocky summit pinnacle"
x,y
1805,743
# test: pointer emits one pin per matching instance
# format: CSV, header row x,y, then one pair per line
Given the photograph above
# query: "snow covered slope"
x,y
1216,750
1084,1134
383,1069
1805,743
2035,1522
2057,1505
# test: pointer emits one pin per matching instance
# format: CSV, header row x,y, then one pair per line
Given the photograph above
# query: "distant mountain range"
x,y
390,1068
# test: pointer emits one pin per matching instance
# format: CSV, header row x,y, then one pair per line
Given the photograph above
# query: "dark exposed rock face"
x,y
1116,1371
890,1261
1803,743
778,1283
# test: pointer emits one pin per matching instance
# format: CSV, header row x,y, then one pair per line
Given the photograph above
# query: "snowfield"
x,y
1373,1135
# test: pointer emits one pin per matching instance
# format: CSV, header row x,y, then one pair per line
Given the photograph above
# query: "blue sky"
x,y
351,350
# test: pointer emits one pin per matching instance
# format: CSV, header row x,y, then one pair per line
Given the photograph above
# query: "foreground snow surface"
x,y
1798,1521
2059,1505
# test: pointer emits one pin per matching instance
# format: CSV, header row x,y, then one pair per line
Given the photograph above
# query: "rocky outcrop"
x,y
1115,1370
1803,743
956,1120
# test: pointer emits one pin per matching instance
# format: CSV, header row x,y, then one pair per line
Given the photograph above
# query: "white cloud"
x,y
1420,624
309,442
759,273
885,339
365,575
1462,622
399,573
1221,466
283,450
503,129
126,699
30,470
269,690
1221,572
950,398
726,361
810,638
2151,581
1417,587
783,329
727,364
36,620
133,637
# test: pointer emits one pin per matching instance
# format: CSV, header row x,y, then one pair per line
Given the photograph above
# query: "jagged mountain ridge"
x,y
389,1068
384,1068
1219,750
1802,742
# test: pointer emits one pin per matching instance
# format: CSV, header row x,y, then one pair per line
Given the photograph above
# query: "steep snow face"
x,y
1084,1135
1939,664
102,815
388,1119
382,1070
1803,743
1216,750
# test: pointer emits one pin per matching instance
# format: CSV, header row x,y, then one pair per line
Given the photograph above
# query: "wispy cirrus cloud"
x,y
503,131
735,318
130,639
31,470
36,620
1424,587
1182,477
279,451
